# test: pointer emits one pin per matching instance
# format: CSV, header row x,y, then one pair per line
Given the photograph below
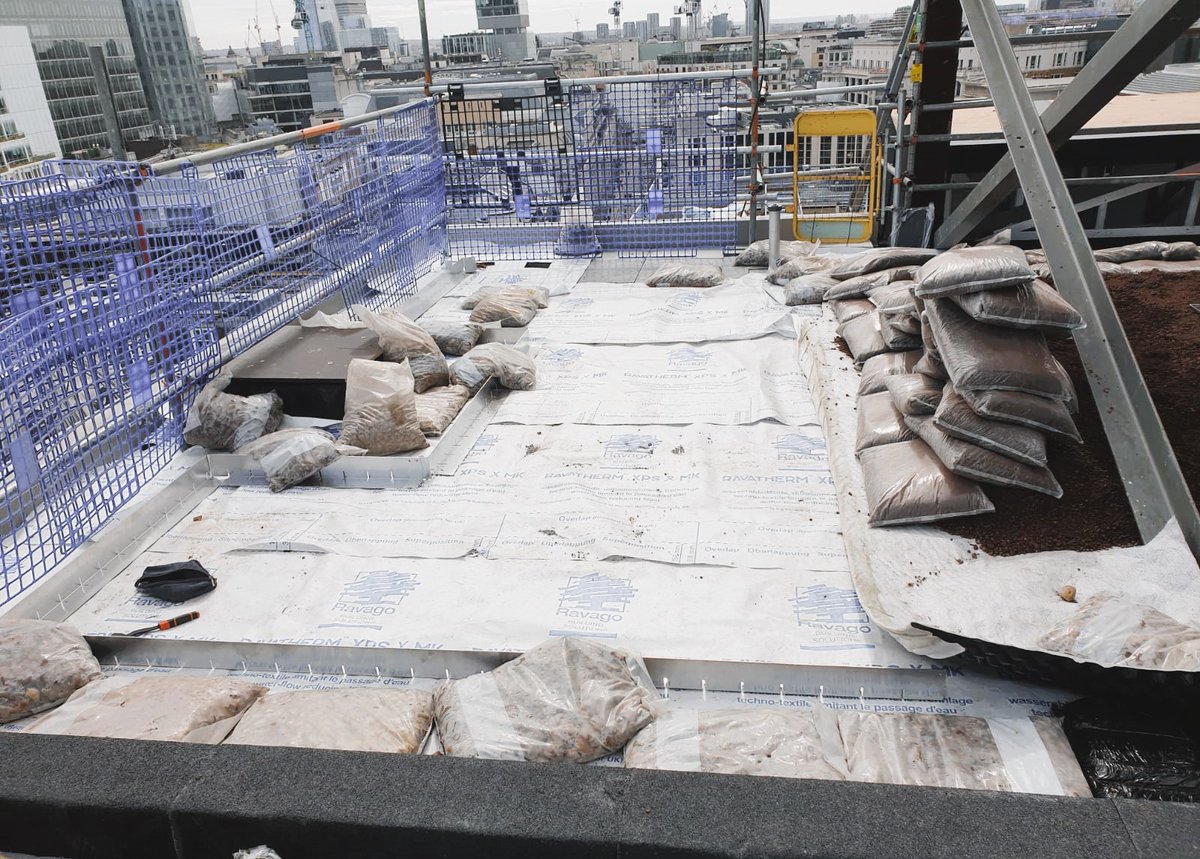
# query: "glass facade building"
x,y
172,66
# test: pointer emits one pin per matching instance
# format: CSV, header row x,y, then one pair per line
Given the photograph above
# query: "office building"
x,y
352,14
476,45
765,24
509,21
629,29
168,56
720,26
26,127
652,25
601,32
61,31
676,28
640,31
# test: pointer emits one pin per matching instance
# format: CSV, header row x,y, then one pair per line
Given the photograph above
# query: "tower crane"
x,y
300,22
615,11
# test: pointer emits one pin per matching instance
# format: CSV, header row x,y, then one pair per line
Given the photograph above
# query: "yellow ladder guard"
x,y
835,188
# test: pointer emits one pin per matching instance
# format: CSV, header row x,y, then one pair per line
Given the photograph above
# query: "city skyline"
x,y
223,23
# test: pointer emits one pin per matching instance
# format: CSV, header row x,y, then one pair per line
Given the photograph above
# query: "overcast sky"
x,y
220,23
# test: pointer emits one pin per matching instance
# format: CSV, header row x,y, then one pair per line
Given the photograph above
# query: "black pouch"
x,y
176,582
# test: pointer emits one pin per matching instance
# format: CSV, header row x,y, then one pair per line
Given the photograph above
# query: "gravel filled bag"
x,y
513,370
861,286
291,456
881,258
400,338
438,407
802,266
1114,631
906,484
1034,305
957,419
898,335
864,336
688,275
1035,256
1128,253
352,720
221,421
381,408
759,253
453,338
1181,251
965,270
568,699
41,664
971,460
928,750
847,309
467,374
894,296
880,422
913,393
511,308
981,357
1030,410
539,295
809,289
799,744
158,707
876,370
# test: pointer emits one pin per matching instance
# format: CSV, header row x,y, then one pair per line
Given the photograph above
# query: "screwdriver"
x,y
165,624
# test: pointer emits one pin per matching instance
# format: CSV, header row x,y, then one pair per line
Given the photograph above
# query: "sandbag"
x,y
381,409
880,258
157,707
787,744
468,374
1035,256
41,664
759,253
567,699
893,296
966,270
453,338
809,289
1137,250
913,393
1181,251
221,421
1138,266
513,370
352,720
688,275
539,295
1035,305
1040,413
906,484
899,335
847,309
880,422
930,363
981,357
438,407
957,419
511,308
1114,631
876,370
859,287
927,750
291,456
400,338
802,266
864,336
978,463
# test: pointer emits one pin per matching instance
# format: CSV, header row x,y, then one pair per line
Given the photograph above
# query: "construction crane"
x,y
278,29
300,22
691,9
615,11
257,29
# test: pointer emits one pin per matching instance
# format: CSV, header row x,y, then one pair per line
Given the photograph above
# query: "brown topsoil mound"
x,y
1094,511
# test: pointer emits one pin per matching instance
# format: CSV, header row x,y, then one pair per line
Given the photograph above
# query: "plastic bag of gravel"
x,y
688,275
913,393
1115,631
539,295
454,338
809,289
864,337
1128,253
513,369
291,456
847,309
906,484
1035,306
881,258
876,370
971,460
974,269
759,253
1030,410
400,338
880,422
41,664
438,407
955,418
381,408
802,266
511,308
1181,251
859,287
567,699
221,421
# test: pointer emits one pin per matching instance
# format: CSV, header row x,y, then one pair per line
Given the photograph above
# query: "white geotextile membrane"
x,y
751,497
735,382
917,574
604,313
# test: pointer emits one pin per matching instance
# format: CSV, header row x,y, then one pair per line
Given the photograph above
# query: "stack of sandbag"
x,y
971,396
1131,258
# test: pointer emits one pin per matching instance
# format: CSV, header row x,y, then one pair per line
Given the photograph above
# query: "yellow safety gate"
x,y
835,185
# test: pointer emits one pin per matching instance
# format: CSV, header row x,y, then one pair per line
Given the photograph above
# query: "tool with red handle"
x,y
165,624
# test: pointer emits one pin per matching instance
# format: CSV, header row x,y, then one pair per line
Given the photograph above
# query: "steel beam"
x,y
1147,33
1155,486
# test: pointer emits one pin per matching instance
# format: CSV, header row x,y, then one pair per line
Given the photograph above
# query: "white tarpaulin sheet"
x,y
912,574
638,314
789,617
737,382
754,497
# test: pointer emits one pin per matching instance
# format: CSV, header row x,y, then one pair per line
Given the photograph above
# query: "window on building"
x,y
1060,59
